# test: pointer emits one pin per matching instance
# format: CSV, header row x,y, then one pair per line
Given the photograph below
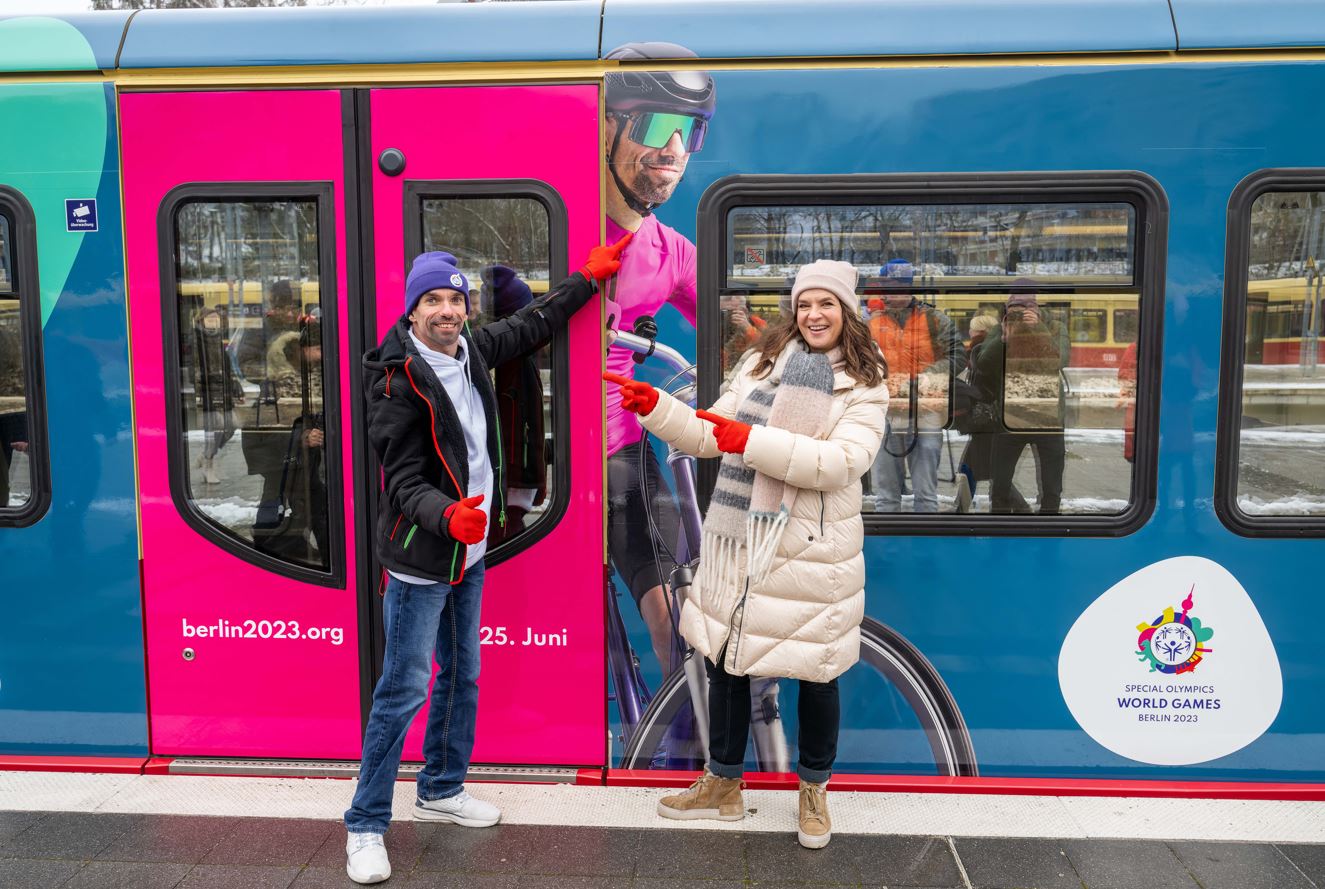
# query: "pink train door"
x,y
509,177
235,206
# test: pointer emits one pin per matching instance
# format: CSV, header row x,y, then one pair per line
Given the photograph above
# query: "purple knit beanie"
x,y
432,271
503,292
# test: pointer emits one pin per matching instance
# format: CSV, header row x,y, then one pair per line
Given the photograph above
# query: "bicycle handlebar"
x,y
675,361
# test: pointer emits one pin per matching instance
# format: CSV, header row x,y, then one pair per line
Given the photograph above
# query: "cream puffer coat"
x,y
803,620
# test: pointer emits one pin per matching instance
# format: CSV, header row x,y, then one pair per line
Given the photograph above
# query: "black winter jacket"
x,y
415,432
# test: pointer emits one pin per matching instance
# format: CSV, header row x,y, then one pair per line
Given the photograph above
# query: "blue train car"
x,y
1103,575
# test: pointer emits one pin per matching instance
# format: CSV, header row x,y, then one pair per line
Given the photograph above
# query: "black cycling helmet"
x,y
677,92
633,91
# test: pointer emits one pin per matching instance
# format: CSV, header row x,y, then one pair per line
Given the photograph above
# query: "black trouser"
x,y
818,712
1050,454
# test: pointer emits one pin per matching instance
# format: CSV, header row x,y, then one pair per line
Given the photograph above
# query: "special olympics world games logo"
x,y
1174,642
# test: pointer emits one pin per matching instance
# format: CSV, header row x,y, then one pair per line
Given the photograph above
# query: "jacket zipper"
x,y
822,510
432,429
500,489
740,606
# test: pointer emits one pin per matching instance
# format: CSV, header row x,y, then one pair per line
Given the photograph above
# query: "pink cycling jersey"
x,y
657,267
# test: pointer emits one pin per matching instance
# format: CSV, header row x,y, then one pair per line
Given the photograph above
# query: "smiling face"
x,y
819,319
438,318
651,173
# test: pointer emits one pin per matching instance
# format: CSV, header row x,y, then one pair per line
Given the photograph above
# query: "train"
x,y
206,217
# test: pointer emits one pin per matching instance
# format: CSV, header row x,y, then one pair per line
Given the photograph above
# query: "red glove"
x,y
466,522
636,396
731,435
604,261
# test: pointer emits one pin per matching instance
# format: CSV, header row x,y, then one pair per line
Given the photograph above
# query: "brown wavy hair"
x,y
864,362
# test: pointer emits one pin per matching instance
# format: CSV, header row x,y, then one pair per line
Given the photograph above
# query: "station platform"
x,y
140,831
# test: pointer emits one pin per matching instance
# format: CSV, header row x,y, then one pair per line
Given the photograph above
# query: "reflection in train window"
x,y
251,366
1126,322
1281,427
16,479
1008,394
502,245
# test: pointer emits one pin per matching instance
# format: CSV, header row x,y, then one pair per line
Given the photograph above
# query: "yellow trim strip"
x,y
505,72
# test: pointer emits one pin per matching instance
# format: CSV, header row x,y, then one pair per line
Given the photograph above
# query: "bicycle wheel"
x,y
888,654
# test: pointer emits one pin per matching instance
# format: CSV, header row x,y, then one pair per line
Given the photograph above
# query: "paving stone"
x,y
1240,866
217,876
77,836
686,883
27,873
330,878
14,823
779,858
128,875
272,842
691,854
1126,864
997,863
532,849
900,861
1310,859
183,839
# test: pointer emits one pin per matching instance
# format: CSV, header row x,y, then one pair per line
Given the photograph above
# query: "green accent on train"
x,y
57,142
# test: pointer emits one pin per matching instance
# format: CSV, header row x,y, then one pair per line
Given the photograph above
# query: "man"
x,y
1021,369
433,423
655,121
925,353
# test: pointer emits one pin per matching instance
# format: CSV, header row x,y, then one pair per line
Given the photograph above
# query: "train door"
x,y
507,180
251,303
240,313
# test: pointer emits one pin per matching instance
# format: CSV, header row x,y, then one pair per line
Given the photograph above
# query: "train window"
x,y
251,375
1125,325
1009,396
502,235
1272,424
1089,326
24,479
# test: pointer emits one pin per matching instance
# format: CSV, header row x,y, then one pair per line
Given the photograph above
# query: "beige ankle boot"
x,y
709,797
816,828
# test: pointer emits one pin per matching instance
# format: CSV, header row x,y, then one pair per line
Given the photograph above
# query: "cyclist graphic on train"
x,y
655,121
433,422
780,587
924,353
1019,367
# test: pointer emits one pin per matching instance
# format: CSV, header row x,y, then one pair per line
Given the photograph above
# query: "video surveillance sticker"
x,y
1172,666
80,214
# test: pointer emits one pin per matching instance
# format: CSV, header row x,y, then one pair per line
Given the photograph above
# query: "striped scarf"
x,y
749,510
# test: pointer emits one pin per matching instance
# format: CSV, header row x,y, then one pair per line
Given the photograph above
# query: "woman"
x,y
780,589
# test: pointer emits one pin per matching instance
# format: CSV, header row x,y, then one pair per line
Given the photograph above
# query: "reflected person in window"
x,y
433,423
519,390
1021,369
218,391
292,514
924,352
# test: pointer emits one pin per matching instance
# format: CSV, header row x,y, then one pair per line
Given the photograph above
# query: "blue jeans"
x,y
888,471
422,622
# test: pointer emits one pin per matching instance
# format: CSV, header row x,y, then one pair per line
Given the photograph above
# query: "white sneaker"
x,y
366,860
460,809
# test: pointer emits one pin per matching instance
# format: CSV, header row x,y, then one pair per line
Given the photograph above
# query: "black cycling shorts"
x,y
628,531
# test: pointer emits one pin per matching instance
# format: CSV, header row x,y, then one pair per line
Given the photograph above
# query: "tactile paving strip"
x,y
939,814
